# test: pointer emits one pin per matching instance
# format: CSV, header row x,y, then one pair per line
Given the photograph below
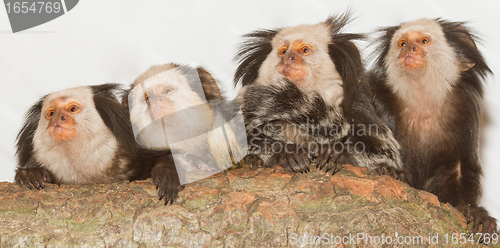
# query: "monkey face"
x,y
163,100
161,95
420,47
412,47
292,64
160,100
66,115
299,54
61,113
421,63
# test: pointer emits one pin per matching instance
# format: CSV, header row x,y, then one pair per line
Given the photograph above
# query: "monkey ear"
x,y
115,116
209,85
464,63
25,137
464,43
463,34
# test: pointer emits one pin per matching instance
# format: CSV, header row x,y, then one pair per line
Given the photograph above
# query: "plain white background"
x,y
115,41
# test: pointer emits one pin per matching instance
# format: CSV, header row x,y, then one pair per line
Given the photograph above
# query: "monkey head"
x,y
66,116
420,48
79,132
300,54
170,99
318,58
162,91
423,60
163,94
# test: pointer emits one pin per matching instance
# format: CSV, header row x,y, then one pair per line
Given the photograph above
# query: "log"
x,y
236,208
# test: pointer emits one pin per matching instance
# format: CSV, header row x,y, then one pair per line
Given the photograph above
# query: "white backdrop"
x,y
115,41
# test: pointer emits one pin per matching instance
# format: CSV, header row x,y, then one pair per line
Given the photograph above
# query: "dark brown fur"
x,y
433,166
164,172
32,174
282,103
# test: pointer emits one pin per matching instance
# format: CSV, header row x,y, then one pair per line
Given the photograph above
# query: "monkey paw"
x,y
33,177
167,182
254,161
292,158
384,169
479,217
332,160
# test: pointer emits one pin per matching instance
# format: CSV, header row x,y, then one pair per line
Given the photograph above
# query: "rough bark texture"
x,y
237,208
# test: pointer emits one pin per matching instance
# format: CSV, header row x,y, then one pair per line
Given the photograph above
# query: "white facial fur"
x,y
432,83
86,157
322,76
151,131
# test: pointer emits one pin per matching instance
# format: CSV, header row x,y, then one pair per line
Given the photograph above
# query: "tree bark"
x,y
236,208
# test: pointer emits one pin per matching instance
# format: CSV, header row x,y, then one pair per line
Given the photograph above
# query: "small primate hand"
x,y
384,169
254,161
479,218
33,177
167,182
332,160
293,158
